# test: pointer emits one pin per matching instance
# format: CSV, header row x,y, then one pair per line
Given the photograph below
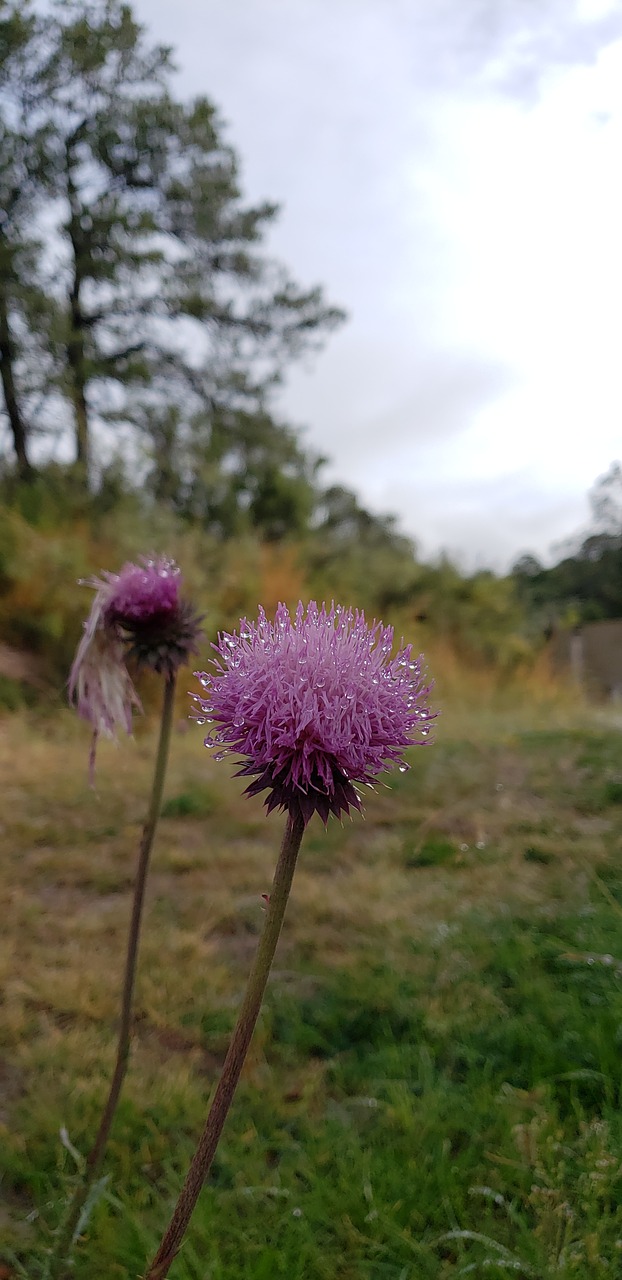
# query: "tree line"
x,y
585,585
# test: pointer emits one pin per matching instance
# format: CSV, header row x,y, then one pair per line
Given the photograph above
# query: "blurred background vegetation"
x,y
143,332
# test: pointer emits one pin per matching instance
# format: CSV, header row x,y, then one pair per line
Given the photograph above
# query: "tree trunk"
x,y
76,358
11,401
76,362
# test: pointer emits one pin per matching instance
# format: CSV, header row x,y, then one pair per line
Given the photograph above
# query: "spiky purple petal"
x,y
143,592
313,705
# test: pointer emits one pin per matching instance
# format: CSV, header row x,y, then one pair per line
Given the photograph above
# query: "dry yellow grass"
x,y
69,856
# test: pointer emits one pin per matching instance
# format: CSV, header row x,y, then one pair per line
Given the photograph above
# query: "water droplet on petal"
x,y
403,768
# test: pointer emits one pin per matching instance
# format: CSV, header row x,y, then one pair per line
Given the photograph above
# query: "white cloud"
x,y
451,171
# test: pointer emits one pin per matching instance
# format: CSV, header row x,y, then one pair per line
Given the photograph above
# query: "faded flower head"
x,y
136,613
143,604
313,704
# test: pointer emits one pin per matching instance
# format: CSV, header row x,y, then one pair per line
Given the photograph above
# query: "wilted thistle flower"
x,y
136,613
313,705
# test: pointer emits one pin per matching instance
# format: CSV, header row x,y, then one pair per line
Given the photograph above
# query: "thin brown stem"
x,y
236,1055
95,1157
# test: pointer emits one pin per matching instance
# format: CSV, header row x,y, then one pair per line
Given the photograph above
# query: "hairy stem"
x,y
95,1157
236,1054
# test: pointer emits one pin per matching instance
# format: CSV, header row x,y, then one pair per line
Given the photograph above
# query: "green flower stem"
x,y
236,1054
95,1157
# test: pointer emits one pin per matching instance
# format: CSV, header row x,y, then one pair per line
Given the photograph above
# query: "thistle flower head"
x,y
143,604
313,704
136,613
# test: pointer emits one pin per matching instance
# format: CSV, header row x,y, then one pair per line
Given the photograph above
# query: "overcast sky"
x,y
451,172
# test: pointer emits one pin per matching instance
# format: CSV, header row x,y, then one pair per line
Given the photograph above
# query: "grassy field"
x,y
434,1087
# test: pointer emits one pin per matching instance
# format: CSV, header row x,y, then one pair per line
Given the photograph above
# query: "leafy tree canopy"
x,y
136,299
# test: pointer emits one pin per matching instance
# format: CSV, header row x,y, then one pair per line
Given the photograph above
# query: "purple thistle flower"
x,y
313,705
136,613
144,591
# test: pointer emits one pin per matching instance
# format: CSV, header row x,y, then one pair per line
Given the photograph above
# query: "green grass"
x,y
195,802
434,1089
